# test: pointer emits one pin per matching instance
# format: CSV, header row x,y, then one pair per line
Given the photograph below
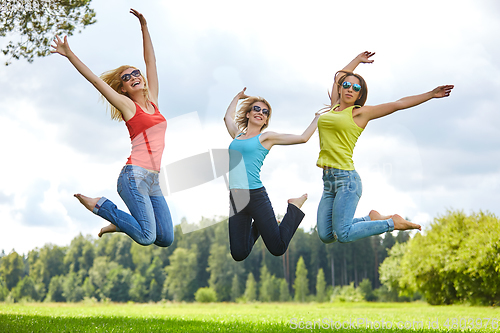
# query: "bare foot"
x,y
298,201
376,216
89,203
106,229
401,224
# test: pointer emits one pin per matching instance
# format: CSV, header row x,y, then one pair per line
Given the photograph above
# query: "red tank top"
x,y
147,133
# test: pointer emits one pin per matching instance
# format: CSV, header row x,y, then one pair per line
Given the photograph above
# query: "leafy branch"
x,y
36,22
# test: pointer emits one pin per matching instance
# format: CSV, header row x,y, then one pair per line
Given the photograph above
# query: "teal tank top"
x,y
245,160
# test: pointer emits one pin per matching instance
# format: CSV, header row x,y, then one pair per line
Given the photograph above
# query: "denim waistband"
x,y
334,171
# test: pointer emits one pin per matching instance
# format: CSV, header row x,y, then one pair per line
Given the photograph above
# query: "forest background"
x,y
456,261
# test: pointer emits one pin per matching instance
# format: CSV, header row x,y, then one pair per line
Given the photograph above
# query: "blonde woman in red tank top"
x,y
135,101
339,129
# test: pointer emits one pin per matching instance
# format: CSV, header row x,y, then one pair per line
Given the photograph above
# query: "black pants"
x,y
243,233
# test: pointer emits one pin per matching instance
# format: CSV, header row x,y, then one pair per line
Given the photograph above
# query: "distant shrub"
x,y
205,295
347,294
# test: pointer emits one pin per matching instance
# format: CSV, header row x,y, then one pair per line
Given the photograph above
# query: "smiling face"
x,y
134,83
258,117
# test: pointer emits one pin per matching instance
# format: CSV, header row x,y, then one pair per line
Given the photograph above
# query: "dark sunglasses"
x,y
346,85
257,108
127,77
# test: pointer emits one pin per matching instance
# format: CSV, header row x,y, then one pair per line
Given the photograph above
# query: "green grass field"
x,y
255,317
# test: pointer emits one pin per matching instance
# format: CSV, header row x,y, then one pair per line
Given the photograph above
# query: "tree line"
x,y
115,268
456,261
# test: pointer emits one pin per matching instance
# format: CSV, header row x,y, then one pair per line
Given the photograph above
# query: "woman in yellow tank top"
x,y
339,129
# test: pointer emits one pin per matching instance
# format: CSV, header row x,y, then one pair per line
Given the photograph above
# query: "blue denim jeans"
x,y
341,192
149,220
243,233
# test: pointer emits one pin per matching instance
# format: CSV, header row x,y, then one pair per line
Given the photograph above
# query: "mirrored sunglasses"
x,y
346,85
134,73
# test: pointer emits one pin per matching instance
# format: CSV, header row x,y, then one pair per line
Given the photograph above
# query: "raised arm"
x,y
121,102
270,139
366,113
230,113
363,57
149,58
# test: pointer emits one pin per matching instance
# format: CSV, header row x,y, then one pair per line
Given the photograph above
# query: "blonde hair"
x,y
241,119
113,79
363,93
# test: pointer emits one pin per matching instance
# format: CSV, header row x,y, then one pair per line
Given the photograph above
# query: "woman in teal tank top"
x,y
339,129
251,213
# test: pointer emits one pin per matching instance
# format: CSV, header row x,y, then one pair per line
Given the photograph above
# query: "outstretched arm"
x,y
230,113
363,57
367,113
149,58
270,139
121,102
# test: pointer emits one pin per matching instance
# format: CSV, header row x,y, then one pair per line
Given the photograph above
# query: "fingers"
x,y
134,12
56,41
444,91
241,94
138,15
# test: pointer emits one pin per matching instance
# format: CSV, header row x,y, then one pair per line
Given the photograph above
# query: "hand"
x,y
364,57
320,112
241,94
141,18
61,47
442,91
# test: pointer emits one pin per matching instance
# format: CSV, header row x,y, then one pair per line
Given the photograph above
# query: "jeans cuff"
x,y
367,218
390,222
98,205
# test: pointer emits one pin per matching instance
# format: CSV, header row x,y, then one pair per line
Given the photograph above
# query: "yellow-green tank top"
x,y
338,134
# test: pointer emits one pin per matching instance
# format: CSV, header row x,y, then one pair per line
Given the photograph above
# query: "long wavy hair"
x,y
113,79
241,119
363,93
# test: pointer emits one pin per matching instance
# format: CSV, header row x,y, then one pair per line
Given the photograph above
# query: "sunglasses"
x,y
257,108
346,85
127,77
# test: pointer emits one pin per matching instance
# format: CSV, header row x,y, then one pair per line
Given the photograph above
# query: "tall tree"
x,y
99,272
46,263
320,286
154,291
222,268
80,254
3,290
235,288
72,287
117,285
138,288
284,291
155,272
56,290
25,289
180,273
390,270
12,269
301,284
251,288
34,23
266,285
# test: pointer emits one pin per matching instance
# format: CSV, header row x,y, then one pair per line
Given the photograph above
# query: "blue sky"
x,y
444,154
